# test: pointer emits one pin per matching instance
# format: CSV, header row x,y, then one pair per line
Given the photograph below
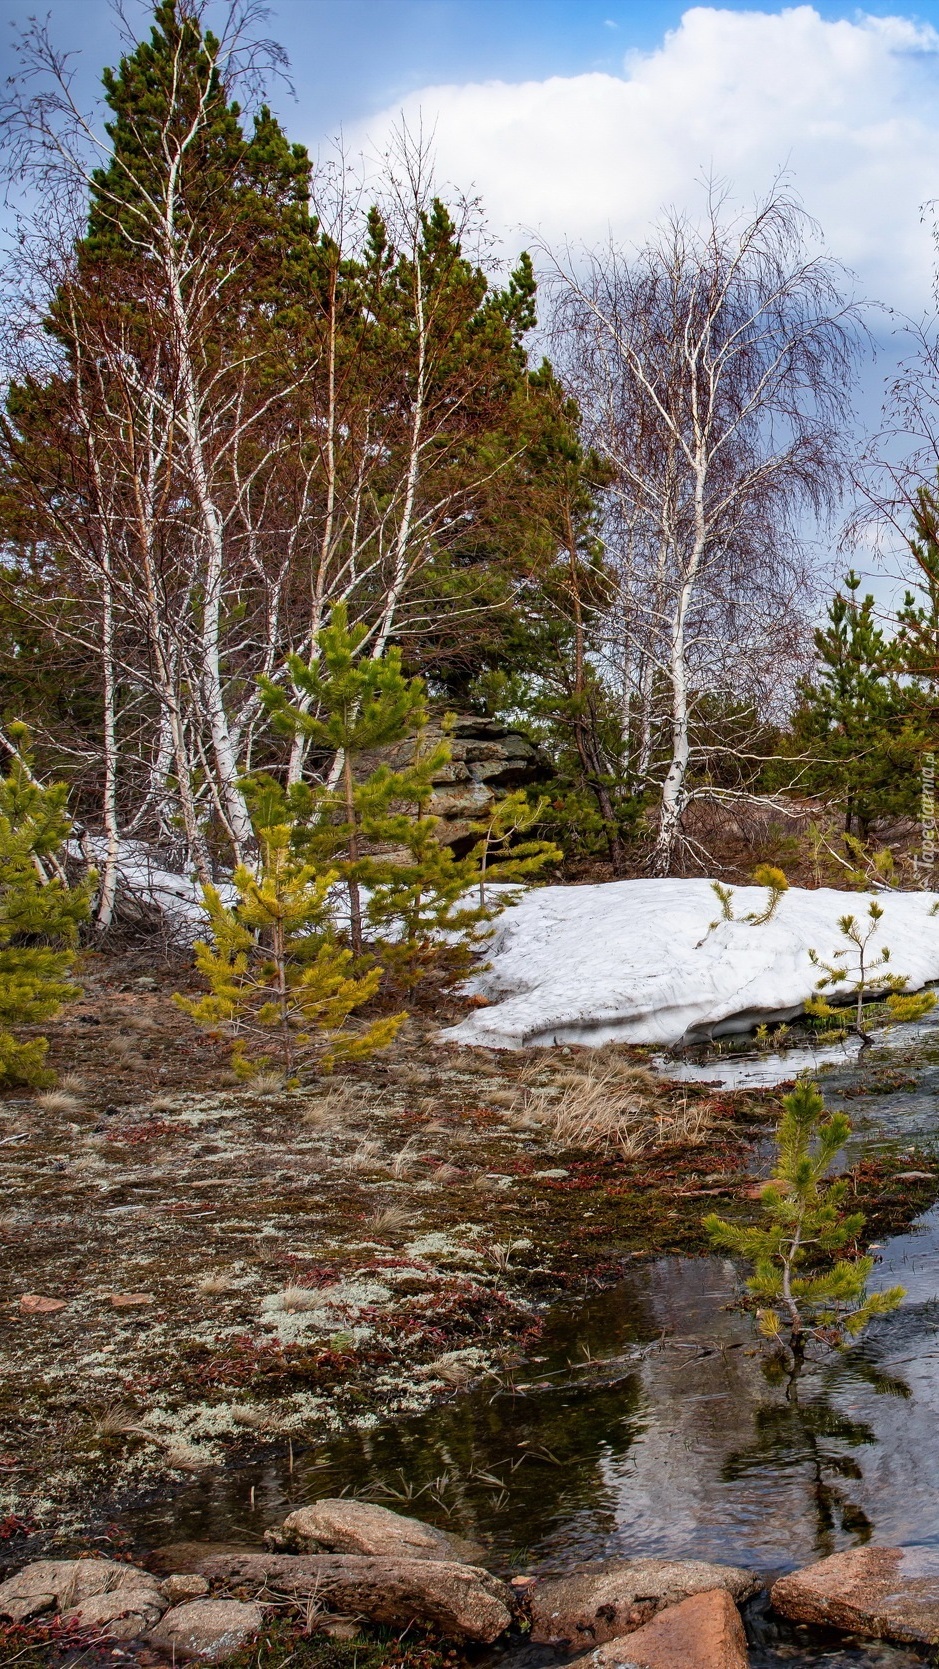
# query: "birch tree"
x,y
236,398
714,370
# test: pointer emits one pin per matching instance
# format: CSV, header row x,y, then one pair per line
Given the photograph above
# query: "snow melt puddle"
x,y
762,1071
649,1424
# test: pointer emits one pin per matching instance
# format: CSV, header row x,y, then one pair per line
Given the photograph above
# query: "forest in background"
x,y
248,399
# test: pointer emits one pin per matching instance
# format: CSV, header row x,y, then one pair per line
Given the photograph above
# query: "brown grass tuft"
x,y
58,1101
615,1107
389,1217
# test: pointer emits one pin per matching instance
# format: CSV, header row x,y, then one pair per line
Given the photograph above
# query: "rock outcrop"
x,y
602,1602
460,1600
885,1593
344,1526
703,1632
70,1584
488,759
183,1585
209,1630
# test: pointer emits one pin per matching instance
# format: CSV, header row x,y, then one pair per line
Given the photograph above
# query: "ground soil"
x,y
237,1269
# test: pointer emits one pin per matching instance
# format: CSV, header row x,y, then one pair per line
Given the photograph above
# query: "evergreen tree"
x,y
500,855
353,703
858,970
808,1290
40,914
854,720
917,639
418,910
278,976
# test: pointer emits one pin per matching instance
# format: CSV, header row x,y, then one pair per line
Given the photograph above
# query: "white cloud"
x,y
849,109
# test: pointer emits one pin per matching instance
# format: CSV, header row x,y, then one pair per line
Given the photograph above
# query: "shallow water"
x,y
648,1425
761,1070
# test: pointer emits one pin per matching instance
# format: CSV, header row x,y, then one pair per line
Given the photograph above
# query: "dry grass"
x,y
251,1418
114,1420
72,1083
450,1369
365,1157
297,1300
264,1083
211,1284
389,1217
482,1183
58,1101
336,1106
123,1047
405,1160
446,1174
617,1108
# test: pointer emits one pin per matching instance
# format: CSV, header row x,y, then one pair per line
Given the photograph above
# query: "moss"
x,y
282,1643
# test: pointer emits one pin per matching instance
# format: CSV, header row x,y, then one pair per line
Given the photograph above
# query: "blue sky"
x,y
353,57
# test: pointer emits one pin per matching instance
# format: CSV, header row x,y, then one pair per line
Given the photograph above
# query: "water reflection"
x,y
647,1427
763,1070
649,1424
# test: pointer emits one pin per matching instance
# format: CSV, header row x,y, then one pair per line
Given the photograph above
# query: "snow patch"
x,y
639,962
150,893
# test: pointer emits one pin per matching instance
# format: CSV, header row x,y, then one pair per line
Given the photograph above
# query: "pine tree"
x,y
279,978
500,856
40,914
356,703
809,1292
857,969
917,639
855,718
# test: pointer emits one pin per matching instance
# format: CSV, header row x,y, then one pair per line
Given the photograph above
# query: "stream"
x,y
649,1423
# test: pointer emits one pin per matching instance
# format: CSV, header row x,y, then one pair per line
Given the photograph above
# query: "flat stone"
x,y
341,1526
183,1585
208,1629
884,1593
122,1613
461,1600
602,1602
702,1632
174,1558
65,1583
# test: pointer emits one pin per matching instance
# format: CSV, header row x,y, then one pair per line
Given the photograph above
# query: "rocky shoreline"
x,y
340,1568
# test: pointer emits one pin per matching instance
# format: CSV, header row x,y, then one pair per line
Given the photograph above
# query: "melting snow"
x,y
635,960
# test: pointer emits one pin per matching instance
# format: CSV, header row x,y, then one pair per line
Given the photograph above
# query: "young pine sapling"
x,y
496,855
350,704
40,914
808,1291
861,974
279,978
765,875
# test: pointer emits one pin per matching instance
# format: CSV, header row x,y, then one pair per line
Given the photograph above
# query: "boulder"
x,y
174,1558
460,1600
66,1583
208,1629
343,1526
884,1593
121,1613
183,1585
601,1602
702,1632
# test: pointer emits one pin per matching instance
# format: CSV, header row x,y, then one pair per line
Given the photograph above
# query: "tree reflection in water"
x,y
808,1432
